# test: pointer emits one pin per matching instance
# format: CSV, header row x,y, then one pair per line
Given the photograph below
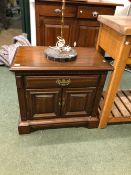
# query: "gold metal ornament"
x,y
63,82
62,17
61,52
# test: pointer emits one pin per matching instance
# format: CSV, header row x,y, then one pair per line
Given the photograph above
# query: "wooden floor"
x,y
121,110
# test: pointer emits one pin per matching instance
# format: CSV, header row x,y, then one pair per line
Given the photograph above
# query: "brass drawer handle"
x,y
57,10
95,14
63,82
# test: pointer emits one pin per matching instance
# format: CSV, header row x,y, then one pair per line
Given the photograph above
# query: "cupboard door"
x,y
78,101
43,103
87,33
87,36
50,29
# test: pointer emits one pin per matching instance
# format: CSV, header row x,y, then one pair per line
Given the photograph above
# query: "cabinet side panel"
x,y
99,93
21,97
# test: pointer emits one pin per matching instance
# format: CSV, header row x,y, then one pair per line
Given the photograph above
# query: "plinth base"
x,y
25,127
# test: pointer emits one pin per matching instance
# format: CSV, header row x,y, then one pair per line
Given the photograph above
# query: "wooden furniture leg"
x,y
116,75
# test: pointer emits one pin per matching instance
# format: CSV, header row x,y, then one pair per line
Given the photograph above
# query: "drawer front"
x,y
35,82
93,12
55,10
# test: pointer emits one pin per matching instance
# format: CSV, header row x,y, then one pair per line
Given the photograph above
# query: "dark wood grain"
x,y
43,103
50,28
95,2
78,19
55,94
87,12
55,10
33,58
25,127
78,101
33,82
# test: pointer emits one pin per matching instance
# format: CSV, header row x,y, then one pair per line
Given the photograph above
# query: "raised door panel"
x,y
43,103
50,29
78,101
87,36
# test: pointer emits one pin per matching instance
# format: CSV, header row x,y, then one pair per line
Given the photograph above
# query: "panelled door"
x,y
78,101
50,29
43,103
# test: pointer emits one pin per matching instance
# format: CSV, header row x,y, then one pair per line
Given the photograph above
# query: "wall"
x,y
33,23
124,10
119,11
25,15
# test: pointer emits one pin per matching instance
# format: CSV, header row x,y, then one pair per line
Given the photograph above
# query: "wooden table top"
x,y
122,24
29,58
103,2
95,2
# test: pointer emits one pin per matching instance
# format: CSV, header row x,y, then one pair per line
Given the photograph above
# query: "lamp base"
x,y
52,53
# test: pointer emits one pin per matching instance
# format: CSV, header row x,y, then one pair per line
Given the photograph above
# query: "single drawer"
x,y
35,82
56,10
93,12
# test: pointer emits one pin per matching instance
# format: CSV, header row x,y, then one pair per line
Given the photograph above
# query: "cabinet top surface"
x,y
122,24
95,2
33,59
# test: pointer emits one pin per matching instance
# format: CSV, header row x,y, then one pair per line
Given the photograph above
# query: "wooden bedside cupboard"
x,y
53,94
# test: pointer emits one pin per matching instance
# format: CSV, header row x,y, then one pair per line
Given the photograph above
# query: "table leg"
x,y
119,66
